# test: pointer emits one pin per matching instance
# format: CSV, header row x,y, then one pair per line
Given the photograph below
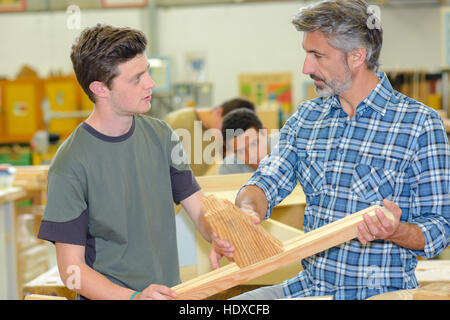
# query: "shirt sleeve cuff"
x,y
71,232
436,237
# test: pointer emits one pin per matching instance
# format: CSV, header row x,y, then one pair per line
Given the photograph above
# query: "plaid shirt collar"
x,y
378,99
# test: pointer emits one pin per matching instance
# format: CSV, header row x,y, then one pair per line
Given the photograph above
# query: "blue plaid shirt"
x,y
394,148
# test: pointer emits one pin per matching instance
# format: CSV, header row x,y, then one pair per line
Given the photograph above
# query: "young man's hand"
x,y
219,248
156,292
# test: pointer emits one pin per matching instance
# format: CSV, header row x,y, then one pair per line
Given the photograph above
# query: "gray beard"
x,y
334,87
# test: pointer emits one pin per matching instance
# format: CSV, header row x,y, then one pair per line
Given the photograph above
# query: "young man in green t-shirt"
x,y
112,183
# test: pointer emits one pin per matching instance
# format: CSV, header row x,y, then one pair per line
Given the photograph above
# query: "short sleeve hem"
x,y
71,232
183,184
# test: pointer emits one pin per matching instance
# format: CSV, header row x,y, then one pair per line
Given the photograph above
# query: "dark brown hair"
x,y
239,120
100,49
236,103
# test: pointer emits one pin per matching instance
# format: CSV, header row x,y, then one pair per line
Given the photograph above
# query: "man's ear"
x,y
356,58
99,89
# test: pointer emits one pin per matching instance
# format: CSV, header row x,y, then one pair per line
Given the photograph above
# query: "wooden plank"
x,y
432,271
48,283
278,230
445,119
395,295
227,186
297,196
31,178
43,297
300,247
11,194
435,291
252,243
225,182
311,298
289,211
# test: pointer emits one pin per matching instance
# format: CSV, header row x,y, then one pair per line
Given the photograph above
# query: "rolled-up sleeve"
x,y
276,173
430,187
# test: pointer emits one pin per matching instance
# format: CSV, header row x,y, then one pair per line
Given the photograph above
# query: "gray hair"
x,y
348,24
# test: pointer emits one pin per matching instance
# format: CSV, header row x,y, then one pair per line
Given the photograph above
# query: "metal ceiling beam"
x,y
410,3
61,5
381,3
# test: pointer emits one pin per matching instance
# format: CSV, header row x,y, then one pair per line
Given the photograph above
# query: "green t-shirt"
x,y
114,195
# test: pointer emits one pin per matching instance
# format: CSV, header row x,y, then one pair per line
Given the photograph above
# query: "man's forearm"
x,y
192,205
408,236
255,197
91,284
84,280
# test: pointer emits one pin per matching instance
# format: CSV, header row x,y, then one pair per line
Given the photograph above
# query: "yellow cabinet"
x,y
86,103
63,96
20,114
30,104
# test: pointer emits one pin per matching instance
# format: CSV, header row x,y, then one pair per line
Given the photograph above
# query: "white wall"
x,y
239,38
43,40
236,39
260,37
412,38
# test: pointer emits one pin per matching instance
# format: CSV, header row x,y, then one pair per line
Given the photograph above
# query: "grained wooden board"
x,y
300,247
433,291
252,243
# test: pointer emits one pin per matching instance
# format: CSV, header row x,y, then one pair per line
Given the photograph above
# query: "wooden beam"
x,y
227,186
43,297
434,291
300,247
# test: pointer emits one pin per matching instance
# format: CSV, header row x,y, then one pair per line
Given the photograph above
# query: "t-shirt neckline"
x,y
107,138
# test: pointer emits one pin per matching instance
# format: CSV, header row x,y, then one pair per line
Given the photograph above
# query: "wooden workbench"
x,y
290,211
432,271
50,284
434,280
445,119
11,194
8,248
33,179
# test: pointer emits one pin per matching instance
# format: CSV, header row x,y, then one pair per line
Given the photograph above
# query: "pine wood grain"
x,y
252,243
300,247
